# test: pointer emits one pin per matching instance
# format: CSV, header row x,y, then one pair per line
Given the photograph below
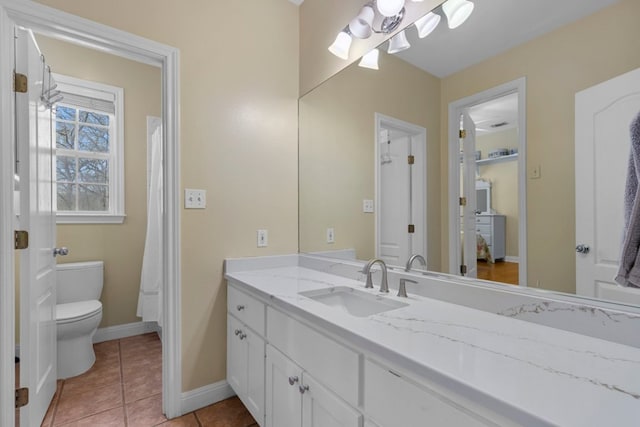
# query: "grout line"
x,y
55,407
124,406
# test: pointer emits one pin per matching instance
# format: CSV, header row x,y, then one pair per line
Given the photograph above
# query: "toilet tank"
x,y
79,281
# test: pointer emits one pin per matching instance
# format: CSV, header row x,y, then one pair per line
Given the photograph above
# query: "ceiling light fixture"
x,y
370,60
389,7
427,24
398,43
342,44
457,11
362,25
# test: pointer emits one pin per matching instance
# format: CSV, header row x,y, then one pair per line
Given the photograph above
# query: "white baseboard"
x,y
123,331
512,259
205,396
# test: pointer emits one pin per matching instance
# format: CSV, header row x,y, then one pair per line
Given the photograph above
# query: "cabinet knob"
x,y
582,249
303,388
237,332
242,336
293,380
240,307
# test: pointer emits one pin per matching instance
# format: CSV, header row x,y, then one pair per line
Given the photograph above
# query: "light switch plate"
x,y
195,199
331,237
367,206
263,238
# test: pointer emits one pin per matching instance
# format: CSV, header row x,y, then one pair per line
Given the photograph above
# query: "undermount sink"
x,y
352,301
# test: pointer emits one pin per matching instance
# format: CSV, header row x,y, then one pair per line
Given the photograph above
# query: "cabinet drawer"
x,y
483,229
483,220
412,405
246,308
336,366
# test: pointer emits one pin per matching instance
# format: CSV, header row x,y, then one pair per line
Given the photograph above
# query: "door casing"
x,y
456,108
61,25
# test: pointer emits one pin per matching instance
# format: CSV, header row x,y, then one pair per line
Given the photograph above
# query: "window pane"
x,y
65,113
93,170
96,118
66,197
66,168
93,197
93,139
65,135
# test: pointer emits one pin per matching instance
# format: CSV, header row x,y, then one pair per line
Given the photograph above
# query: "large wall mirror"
x,y
359,129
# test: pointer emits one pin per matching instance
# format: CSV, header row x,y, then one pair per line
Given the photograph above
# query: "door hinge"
x,y
20,83
463,133
463,269
411,228
463,201
411,159
21,239
22,397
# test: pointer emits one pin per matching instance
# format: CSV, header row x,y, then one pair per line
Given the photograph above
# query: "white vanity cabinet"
x,y
246,350
294,398
391,400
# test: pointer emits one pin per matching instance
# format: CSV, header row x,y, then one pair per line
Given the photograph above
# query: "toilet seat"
x,y
76,311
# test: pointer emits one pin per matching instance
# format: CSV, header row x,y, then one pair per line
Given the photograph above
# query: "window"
x,y
89,152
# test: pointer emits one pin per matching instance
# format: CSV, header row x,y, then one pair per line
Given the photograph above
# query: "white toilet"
x,y
78,314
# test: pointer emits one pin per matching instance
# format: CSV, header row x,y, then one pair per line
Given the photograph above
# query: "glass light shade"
x,y
427,24
370,60
457,11
341,45
360,26
398,43
389,7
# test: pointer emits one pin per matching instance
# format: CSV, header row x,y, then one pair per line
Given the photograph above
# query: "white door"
x,y
37,216
401,192
283,404
469,242
603,115
321,408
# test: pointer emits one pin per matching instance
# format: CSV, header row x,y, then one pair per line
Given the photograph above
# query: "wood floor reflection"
x,y
501,271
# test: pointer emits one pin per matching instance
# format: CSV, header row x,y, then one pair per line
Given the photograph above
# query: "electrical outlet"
x,y
367,206
195,199
330,235
263,238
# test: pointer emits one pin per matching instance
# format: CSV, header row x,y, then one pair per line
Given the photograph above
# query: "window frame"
x,y
116,212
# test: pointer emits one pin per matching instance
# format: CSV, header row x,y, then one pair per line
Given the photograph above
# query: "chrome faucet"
x,y
413,258
384,285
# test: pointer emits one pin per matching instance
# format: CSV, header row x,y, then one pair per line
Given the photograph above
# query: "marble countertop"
x,y
533,374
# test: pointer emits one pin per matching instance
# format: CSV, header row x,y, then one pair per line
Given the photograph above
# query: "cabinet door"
x,y
255,361
236,357
283,404
322,408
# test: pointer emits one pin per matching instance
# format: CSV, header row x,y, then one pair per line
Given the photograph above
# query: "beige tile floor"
x,y
124,388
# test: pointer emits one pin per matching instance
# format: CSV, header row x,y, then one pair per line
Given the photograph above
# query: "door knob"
x,y
60,251
582,249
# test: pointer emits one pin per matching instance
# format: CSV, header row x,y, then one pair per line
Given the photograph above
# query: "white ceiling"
x,y
496,115
494,27
297,2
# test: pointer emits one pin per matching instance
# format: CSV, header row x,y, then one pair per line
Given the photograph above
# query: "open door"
x,y
468,196
37,216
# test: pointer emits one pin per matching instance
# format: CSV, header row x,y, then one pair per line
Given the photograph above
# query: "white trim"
x,y
123,331
513,259
70,28
89,219
205,396
414,130
455,109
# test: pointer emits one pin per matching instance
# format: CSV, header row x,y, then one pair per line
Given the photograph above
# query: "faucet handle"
x,y
402,289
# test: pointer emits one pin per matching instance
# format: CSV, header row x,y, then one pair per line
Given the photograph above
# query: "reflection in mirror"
x,y
559,56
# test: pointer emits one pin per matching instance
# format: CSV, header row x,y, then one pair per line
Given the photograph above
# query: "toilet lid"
x,y
74,311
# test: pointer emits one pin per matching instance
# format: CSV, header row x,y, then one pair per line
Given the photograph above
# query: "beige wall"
x,y
556,66
120,246
320,23
504,182
337,134
239,90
